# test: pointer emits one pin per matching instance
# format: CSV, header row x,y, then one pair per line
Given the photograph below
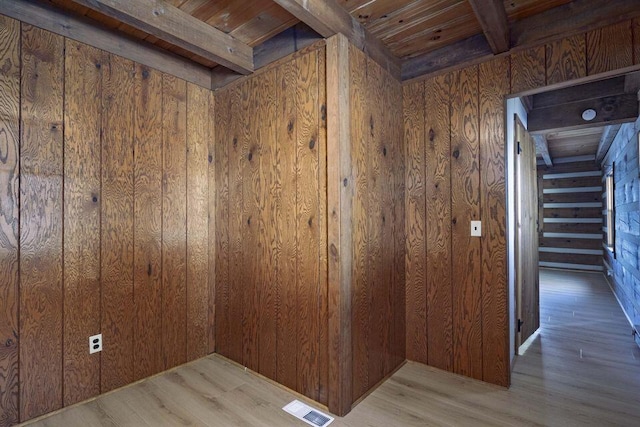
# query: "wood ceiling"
x,y
410,38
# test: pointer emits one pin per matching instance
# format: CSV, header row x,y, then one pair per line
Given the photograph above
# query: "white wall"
x,y
514,107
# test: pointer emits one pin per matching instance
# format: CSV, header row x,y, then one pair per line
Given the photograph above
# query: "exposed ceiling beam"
x,y
632,82
579,16
291,40
493,20
598,89
175,26
43,15
609,110
542,148
328,17
608,135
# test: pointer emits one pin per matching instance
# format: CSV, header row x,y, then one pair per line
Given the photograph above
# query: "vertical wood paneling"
x,y
398,335
197,220
251,185
287,344
174,221
321,143
221,167
117,227
528,69
41,188
360,265
494,85
566,59
416,256
82,198
438,222
9,217
376,274
268,257
237,220
211,214
307,223
147,280
609,48
465,207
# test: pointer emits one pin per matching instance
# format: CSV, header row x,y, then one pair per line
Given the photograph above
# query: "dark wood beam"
x,y
542,148
177,27
280,46
457,55
579,16
41,14
328,17
609,110
608,135
598,89
493,20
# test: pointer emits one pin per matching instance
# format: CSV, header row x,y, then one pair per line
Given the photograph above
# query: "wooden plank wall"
x,y
456,287
377,312
571,229
625,264
271,255
111,155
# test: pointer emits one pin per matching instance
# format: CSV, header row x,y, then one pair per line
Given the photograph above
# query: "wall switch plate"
x,y
476,228
95,343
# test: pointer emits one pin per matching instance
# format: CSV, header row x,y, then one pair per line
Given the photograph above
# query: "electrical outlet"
x,y
476,228
95,343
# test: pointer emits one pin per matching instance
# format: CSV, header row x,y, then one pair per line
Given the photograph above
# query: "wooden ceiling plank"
x,y
608,135
493,20
171,24
579,16
609,110
542,148
43,15
328,17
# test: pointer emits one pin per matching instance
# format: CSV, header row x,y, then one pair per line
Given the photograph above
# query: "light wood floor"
x,y
583,369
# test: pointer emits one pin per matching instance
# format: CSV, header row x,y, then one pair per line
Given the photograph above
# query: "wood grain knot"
x,y
98,65
384,219
54,126
432,135
249,221
310,222
149,270
333,251
323,113
145,73
9,343
250,156
94,199
210,158
345,182
290,126
235,142
456,154
434,38
312,143
371,124
454,220
384,151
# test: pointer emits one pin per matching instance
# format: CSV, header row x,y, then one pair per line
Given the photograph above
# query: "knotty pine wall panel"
x,y
104,242
271,290
82,151
377,297
41,222
9,218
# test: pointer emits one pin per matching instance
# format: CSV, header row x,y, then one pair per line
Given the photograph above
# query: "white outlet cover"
x,y
95,343
476,228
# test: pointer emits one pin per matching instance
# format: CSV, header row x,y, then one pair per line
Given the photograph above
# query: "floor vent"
x,y
307,414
